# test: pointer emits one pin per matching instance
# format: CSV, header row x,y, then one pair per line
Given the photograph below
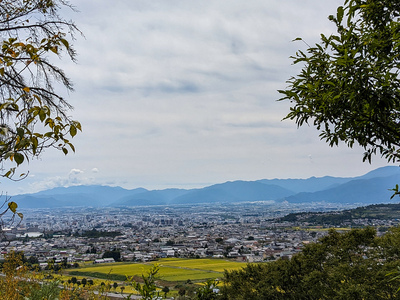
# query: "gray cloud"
x,y
185,92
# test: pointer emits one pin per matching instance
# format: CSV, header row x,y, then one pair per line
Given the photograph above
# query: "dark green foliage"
x,y
148,290
33,260
169,243
208,291
97,234
48,290
376,211
112,254
110,276
165,290
352,265
349,87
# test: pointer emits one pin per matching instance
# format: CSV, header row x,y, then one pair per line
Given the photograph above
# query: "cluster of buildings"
x,y
246,232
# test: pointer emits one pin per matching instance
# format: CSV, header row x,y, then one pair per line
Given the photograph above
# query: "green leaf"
x,y
54,49
20,132
396,191
72,146
20,215
78,125
340,12
72,130
65,43
42,115
19,158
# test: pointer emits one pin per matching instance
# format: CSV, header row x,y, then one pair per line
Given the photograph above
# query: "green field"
x,y
173,270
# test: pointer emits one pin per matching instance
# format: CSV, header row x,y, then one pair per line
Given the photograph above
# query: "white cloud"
x,y
75,172
42,181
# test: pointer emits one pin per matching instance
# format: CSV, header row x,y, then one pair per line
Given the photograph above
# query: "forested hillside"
x,y
349,216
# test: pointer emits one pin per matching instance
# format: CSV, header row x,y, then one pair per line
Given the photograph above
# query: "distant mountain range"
x,y
371,188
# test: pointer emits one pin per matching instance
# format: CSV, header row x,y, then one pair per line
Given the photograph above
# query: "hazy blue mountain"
x,y
364,191
27,201
372,187
105,191
236,191
314,184
381,172
311,184
157,197
92,195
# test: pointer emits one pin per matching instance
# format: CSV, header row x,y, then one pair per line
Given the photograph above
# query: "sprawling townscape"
x,y
246,232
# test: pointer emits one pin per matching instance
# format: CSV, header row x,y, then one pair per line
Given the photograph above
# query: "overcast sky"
x,y
183,94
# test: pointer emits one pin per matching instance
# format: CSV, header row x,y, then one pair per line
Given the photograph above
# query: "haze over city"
x,y
184,94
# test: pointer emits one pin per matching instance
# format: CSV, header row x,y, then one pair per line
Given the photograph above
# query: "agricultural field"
x,y
171,270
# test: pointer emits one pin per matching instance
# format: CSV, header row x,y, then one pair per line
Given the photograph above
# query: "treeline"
x,y
100,275
334,218
353,265
97,234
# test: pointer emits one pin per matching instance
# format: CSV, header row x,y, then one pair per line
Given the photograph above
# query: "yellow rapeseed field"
x,y
170,269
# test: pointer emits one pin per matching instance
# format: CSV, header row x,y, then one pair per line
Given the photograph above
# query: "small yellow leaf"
x,y
26,89
54,49
13,207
